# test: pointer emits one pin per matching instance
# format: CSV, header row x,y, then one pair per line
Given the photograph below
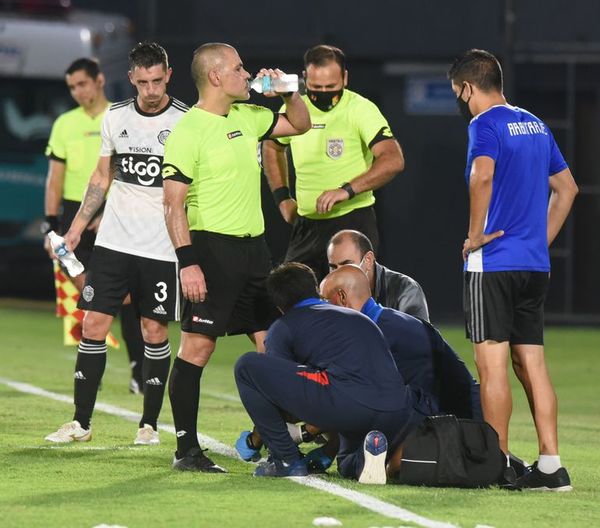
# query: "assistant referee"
x,y
211,169
72,153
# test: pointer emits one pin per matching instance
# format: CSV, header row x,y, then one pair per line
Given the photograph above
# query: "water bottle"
x,y
284,84
66,257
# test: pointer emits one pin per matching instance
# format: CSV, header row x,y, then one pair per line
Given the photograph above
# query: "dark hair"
x,y
360,240
89,66
322,54
148,54
478,67
291,283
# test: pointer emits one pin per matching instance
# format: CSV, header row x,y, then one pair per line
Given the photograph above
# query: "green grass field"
x,y
109,481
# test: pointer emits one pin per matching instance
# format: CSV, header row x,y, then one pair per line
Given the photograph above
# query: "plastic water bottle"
x,y
66,257
284,84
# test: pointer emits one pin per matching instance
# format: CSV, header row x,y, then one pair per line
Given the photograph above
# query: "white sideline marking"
x,y
361,499
79,447
370,503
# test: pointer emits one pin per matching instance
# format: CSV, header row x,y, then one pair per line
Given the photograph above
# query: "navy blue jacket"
x,y
345,344
427,362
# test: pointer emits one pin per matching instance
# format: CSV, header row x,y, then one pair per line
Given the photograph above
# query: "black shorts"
x,y
309,238
505,306
153,284
235,270
83,251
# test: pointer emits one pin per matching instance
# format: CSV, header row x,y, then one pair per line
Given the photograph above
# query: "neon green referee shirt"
x,y
217,156
75,141
334,151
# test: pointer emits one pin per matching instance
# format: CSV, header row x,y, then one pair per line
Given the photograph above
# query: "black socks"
x,y
155,372
132,334
184,392
91,361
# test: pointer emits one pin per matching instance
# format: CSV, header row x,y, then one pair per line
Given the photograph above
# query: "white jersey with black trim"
x,y
133,220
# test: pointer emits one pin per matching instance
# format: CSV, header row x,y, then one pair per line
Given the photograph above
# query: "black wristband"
x,y
50,223
186,256
348,188
280,194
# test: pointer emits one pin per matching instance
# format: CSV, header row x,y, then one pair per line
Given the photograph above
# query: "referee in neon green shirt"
x,y
349,152
213,213
72,153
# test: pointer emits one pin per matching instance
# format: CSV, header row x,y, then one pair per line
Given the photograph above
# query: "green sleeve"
x,y
180,156
372,126
263,119
56,148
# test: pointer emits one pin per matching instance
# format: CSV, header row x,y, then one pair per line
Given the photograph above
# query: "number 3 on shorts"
x,y
161,294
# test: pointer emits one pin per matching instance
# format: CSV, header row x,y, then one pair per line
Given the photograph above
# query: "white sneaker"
x,y
146,436
70,432
375,450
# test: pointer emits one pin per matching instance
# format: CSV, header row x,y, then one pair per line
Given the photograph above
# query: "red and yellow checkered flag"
x,y
67,296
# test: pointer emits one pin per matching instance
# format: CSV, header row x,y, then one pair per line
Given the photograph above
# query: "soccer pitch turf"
x,y
111,482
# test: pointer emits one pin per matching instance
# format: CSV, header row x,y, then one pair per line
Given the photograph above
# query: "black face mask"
x,y
324,101
463,106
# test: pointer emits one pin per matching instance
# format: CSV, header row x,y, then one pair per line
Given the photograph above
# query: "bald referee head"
x,y
218,72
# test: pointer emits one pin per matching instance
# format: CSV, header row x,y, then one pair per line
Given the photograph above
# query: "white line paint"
x,y
75,446
361,499
370,503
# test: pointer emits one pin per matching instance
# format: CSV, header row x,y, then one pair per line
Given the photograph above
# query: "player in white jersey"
x,y
133,253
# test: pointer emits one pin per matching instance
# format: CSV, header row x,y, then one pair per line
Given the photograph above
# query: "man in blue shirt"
x,y
513,164
328,366
425,361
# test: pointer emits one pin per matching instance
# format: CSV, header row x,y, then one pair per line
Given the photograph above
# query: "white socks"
x,y
548,463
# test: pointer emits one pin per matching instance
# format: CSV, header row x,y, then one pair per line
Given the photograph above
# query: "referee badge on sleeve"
x,y
335,148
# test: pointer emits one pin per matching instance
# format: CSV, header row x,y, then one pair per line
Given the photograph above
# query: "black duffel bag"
x,y
450,451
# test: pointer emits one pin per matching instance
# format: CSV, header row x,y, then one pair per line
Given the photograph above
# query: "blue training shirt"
x,y
525,156
348,346
426,361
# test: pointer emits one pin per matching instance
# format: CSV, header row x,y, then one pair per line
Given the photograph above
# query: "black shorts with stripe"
x,y
153,284
505,306
235,270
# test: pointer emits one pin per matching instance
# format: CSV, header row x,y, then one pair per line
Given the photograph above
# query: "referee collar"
x,y
309,302
372,309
